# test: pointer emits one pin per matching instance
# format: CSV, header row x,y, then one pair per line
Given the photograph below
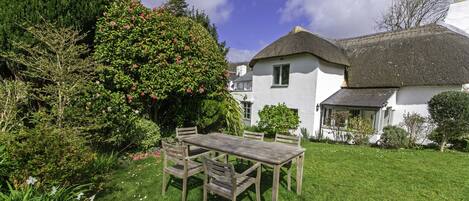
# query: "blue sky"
x,y
249,25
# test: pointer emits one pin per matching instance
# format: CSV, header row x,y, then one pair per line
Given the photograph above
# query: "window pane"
x,y
276,74
285,74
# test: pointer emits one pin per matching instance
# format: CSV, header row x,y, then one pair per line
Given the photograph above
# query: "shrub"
x,y
148,133
14,96
278,119
53,155
450,111
395,137
163,65
360,130
415,126
305,133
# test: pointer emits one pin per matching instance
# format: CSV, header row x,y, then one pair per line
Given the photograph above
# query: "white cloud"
x,y
336,18
218,10
240,55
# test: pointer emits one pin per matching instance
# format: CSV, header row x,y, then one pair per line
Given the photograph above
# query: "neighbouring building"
x,y
379,77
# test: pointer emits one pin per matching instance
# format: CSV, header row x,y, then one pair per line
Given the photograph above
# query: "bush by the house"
x,y
14,98
415,125
450,111
164,66
278,119
360,130
148,132
395,137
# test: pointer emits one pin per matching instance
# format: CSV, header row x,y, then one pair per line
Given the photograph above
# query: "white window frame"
x,y
247,114
280,66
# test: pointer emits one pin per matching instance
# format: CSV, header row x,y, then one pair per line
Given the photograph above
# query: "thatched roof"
x,y
371,97
428,55
301,41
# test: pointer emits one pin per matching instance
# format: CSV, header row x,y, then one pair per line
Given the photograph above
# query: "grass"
x,y
332,172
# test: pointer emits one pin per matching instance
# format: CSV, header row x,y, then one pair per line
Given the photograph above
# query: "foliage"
x,y
232,115
338,122
450,111
81,15
180,8
305,133
177,7
54,155
360,130
57,61
104,163
31,193
13,95
278,119
405,14
149,133
252,128
165,66
395,137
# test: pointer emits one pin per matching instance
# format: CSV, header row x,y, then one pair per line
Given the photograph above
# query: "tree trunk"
x,y
443,144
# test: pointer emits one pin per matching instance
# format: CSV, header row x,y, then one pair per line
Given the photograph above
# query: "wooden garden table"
x,y
271,153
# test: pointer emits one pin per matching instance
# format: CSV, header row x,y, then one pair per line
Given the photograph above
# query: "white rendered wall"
x,y
311,81
330,79
458,15
415,99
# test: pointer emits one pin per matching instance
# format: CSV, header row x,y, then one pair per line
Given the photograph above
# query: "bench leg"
x,y
299,173
275,182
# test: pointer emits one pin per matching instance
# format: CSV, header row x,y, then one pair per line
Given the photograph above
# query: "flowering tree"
x,y
163,65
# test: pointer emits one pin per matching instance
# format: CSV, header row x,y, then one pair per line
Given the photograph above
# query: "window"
x,y
247,109
281,74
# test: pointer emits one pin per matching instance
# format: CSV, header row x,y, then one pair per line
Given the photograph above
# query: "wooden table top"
x,y
267,152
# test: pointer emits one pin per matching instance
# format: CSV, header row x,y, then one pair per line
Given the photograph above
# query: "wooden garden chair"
x,y
221,179
253,136
188,132
177,163
292,141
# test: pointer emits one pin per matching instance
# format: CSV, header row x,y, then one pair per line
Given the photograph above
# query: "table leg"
x,y
299,173
276,182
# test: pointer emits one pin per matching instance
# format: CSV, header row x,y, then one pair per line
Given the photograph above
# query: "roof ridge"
x,y
393,33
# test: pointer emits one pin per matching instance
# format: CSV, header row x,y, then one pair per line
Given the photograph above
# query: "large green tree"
x,y
180,8
78,14
450,111
164,66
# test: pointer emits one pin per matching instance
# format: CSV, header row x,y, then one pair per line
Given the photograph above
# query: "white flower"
x,y
31,180
92,198
136,111
109,109
54,190
79,195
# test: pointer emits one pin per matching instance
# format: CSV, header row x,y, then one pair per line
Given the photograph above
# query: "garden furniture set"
x,y
220,176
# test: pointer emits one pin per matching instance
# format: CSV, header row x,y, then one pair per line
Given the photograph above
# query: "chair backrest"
x,y
289,140
186,132
220,173
253,135
175,152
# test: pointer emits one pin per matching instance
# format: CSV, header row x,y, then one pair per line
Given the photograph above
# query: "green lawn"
x,y
332,172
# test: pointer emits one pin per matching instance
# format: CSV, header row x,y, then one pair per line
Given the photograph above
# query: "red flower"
x,y
142,94
201,89
154,99
189,90
134,87
129,98
134,65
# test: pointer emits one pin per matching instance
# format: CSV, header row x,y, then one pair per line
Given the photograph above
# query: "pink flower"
x,y
127,26
113,24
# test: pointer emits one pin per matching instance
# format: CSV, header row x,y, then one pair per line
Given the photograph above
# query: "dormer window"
x,y
281,74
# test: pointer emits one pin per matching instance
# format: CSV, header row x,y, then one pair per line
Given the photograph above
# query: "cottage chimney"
x,y
297,29
458,15
241,70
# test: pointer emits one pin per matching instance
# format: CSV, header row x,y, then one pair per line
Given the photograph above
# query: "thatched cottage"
x,y
379,77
